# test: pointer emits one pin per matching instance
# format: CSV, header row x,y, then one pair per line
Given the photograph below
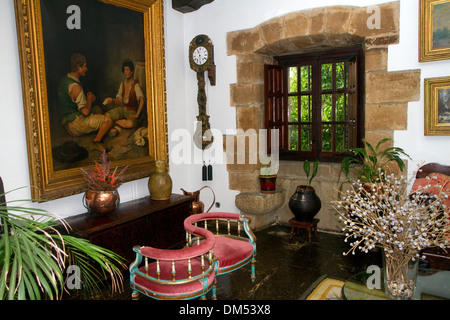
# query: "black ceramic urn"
x,y
305,203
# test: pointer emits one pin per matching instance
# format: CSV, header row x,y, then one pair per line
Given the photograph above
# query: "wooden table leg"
x,y
310,226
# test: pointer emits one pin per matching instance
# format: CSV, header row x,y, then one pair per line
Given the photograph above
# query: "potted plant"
x,y
35,257
102,196
268,178
305,203
369,162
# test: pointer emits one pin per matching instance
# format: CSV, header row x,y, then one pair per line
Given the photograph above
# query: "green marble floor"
x,y
285,267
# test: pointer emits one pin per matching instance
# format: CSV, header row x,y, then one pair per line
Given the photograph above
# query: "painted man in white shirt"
x,y
77,107
129,98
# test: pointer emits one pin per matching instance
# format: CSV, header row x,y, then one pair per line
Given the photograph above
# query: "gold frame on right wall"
x,y
432,14
437,106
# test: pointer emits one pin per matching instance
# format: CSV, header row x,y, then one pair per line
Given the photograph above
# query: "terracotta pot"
x,y
160,183
101,202
305,203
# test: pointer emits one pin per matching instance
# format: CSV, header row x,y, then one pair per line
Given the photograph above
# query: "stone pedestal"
x,y
260,207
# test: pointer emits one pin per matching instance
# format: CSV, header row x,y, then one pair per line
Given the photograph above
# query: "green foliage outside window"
x,y
302,101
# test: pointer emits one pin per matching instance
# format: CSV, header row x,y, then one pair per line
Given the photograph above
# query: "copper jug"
x,y
197,205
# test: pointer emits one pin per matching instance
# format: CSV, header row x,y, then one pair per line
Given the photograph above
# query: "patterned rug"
x,y
325,288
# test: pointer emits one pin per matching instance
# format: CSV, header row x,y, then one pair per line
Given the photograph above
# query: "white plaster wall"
x,y
220,17
405,55
215,20
13,150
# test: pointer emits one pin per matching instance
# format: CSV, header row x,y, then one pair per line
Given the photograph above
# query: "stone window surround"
x,y
304,31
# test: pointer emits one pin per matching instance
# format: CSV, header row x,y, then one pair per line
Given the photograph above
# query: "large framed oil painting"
x,y
93,79
437,106
434,30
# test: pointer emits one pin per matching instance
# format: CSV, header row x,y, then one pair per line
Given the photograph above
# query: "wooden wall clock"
x,y
186,6
201,60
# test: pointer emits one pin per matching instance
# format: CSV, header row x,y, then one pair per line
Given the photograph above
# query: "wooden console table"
x,y
143,222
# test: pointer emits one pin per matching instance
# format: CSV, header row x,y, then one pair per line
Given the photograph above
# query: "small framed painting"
x,y
434,30
437,106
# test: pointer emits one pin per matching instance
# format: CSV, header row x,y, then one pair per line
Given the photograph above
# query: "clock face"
x,y
200,55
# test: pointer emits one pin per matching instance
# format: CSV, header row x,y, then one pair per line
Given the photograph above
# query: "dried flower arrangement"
x,y
102,178
394,218
400,221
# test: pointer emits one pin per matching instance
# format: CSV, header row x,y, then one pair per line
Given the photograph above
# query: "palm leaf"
x,y
6,260
12,283
371,161
314,172
306,167
384,140
32,291
33,255
82,253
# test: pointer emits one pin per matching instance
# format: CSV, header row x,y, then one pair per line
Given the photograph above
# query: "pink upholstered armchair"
x,y
235,244
176,274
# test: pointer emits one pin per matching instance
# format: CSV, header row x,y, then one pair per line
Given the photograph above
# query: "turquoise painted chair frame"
x,y
180,274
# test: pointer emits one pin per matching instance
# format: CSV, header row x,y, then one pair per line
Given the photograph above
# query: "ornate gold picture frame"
x,y
434,30
107,33
437,106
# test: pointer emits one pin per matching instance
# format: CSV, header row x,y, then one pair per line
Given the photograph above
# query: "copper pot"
x,y
101,202
197,205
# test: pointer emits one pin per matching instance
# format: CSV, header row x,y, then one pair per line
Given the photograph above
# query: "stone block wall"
x,y
386,97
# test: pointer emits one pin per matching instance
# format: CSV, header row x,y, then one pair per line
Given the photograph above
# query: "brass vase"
x,y
160,183
101,202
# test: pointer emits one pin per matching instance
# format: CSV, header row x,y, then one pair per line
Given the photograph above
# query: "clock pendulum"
x,y
203,137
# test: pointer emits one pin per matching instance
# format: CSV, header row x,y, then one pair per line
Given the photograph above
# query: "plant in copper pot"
x,y
305,203
102,177
41,260
102,196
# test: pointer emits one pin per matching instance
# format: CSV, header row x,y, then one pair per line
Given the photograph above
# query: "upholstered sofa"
x,y
436,179
185,273
235,244
191,272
